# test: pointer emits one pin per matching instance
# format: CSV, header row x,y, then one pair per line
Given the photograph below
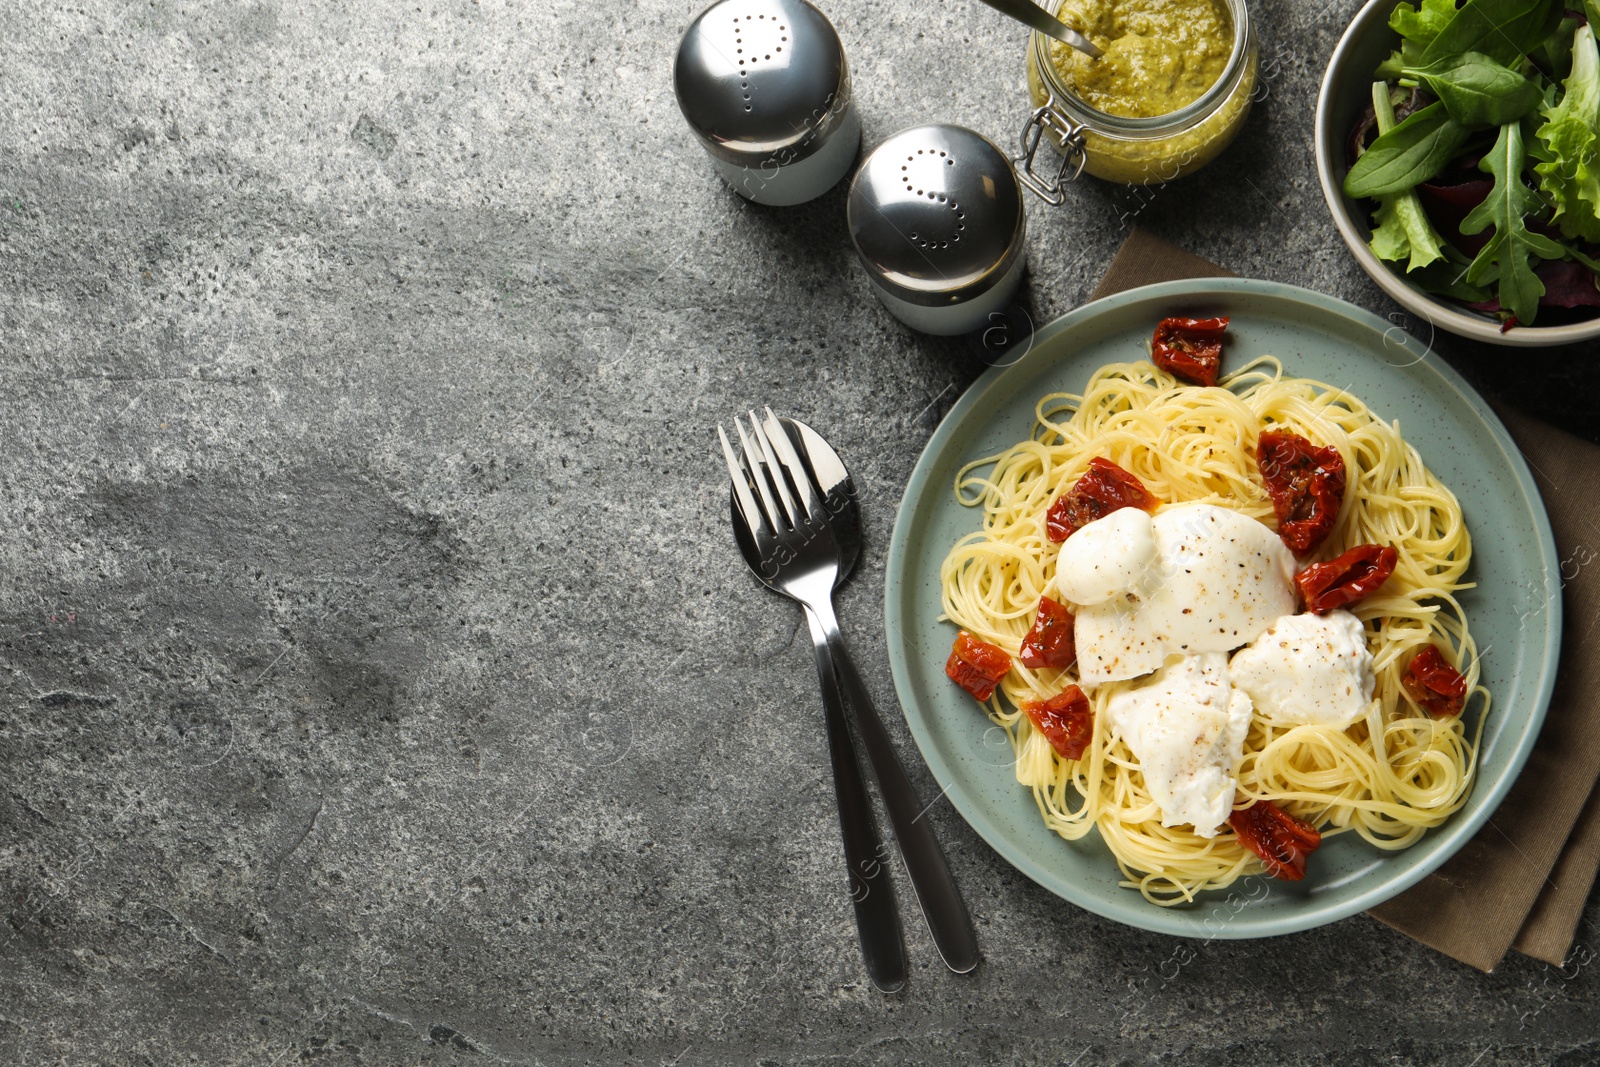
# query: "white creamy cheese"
x,y
1106,558
1187,727
1308,669
1217,579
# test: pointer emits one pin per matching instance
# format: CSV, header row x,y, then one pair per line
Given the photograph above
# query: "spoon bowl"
x,y
1035,17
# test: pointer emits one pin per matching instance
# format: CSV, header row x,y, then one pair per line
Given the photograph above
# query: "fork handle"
x,y
948,919
877,918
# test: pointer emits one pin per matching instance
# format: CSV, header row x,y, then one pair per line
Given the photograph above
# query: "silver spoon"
x,y
1031,14
942,906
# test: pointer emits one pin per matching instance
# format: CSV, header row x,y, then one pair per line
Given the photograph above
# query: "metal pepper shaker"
x,y
937,221
766,89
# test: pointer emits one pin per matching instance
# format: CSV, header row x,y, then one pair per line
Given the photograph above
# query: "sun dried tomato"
x,y
1190,349
1282,841
1104,488
1049,643
1065,720
1346,578
976,666
1306,484
1438,688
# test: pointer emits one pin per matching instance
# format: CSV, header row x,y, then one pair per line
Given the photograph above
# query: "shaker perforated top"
x,y
762,79
936,215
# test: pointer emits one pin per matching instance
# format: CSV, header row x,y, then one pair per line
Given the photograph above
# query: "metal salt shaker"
x,y
765,87
937,220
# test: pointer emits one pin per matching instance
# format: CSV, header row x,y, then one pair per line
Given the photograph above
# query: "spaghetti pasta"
x,y
1387,777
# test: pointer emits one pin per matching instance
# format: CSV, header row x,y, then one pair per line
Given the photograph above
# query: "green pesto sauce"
x,y
1160,55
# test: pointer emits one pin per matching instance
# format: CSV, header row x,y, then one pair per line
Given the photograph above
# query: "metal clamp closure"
x,y
1066,136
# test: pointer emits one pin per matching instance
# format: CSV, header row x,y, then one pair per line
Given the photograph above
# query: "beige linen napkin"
x,y
1523,879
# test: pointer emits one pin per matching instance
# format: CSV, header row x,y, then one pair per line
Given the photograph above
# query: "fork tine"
x,y
791,463
741,487
752,459
774,471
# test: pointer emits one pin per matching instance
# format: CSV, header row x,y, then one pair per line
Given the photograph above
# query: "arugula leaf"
x,y
1403,231
1505,259
1570,144
1477,91
1407,155
1504,30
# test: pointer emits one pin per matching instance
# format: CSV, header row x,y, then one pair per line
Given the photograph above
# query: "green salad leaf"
x,y
1570,141
1448,277
1506,258
1503,30
1477,90
1582,260
1553,57
1588,261
1528,69
1408,54
1417,27
1407,155
1403,232
1421,24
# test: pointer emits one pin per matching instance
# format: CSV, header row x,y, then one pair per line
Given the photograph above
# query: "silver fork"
x,y
802,560
795,553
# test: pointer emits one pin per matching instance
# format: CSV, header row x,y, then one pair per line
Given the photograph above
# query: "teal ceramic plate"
x,y
1515,611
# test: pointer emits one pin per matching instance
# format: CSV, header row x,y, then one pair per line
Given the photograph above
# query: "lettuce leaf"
x,y
1570,144
1409,54
1417,27
1422,23
1403,233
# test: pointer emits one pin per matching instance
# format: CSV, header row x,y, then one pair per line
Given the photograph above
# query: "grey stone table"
x,y
380,684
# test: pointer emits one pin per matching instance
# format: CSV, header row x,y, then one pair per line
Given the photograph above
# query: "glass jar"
x,y
1134,151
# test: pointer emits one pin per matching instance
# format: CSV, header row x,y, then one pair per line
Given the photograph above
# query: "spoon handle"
x,y
877,918
1031,14
948,919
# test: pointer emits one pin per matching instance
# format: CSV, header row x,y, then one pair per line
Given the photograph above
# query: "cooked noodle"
x,y
1388,777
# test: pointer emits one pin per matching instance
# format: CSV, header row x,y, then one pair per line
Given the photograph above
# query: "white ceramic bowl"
x,y
1346,89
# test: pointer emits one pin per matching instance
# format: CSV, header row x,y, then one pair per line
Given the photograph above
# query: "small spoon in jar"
x,y
1031,14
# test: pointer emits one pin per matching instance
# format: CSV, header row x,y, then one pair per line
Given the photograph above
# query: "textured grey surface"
x,y
379,680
